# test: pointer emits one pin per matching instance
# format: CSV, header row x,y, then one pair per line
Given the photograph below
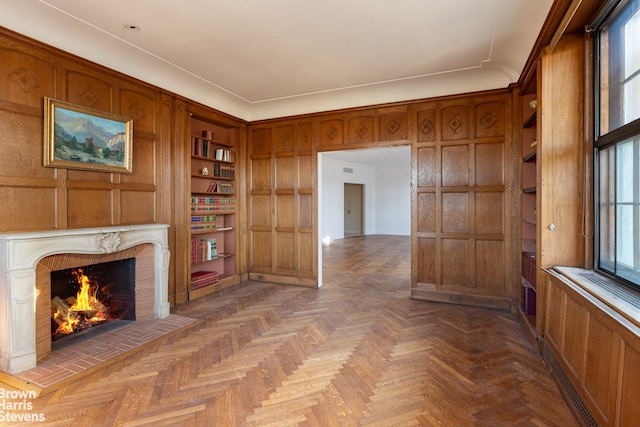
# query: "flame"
x,y
86,301
86,298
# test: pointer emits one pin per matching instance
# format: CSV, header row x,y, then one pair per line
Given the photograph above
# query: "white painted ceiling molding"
x,y
257,59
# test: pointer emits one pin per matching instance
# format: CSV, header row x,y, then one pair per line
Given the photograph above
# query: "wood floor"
x,y
353,353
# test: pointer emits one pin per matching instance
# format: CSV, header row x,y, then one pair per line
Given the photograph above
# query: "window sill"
x,y
622,300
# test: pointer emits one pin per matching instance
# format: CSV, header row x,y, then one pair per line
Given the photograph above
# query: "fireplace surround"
x,y
20,255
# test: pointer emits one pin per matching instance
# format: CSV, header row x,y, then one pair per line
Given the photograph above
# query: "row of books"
x,y
203,250
201,279
223,170
220,187
202,147
213,205
203,222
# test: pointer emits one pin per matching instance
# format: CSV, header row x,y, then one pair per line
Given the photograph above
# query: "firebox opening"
x,y
86,298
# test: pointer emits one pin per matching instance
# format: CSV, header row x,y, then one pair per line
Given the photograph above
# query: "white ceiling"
x,y
258,59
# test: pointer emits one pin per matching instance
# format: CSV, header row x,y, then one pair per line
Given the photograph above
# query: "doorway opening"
x,y
364,219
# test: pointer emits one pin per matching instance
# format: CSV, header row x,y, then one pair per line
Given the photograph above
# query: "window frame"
x,y
622,133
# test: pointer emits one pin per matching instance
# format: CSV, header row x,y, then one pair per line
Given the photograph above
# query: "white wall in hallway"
x,y
387,197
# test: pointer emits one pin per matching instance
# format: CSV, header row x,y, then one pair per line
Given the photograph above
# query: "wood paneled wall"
x,y
463,165
282,198
42,198
462,215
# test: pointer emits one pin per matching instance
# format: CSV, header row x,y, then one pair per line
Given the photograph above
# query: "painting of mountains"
x,y
83,139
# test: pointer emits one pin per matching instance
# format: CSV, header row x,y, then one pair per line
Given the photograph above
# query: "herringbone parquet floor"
x,y
273,355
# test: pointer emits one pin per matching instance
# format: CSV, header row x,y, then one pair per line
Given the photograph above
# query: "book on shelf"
x,y
220,187
203,250
203,222
221,170
209,250
200,279
213,205
225,155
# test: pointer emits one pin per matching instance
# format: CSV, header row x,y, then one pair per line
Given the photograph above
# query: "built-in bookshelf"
x,y
528,302
213,207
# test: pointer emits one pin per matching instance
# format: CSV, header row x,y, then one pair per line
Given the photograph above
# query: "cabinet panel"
x,y
600,357
261,210
142,163
260,141
630,384
285,173
456,122
140,107
427,169
306,257
261,174
305,172
285,244
94,206
332,132
554,332
137,207
455,212
489,119
305,217
455,262
489,212
40,203
284,139
17,161
360,129
426,124
285,212
426,260
455,166
489,168
489,265
261,249
426,212
393,126
27,78
575,333
90,91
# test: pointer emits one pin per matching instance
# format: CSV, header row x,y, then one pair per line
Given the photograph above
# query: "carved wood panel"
x,y
426,125
360,129
393,126
490,119
456,122
26,78
285,139
331,132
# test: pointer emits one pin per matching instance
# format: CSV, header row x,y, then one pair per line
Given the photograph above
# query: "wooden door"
x,y
353,209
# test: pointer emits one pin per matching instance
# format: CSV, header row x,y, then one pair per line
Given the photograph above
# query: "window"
x,y
617,141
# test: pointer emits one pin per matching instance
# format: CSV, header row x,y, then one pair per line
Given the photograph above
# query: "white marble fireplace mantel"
x,y
19,256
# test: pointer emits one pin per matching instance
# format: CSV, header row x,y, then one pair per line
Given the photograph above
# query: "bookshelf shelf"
x,y
213,207
529,181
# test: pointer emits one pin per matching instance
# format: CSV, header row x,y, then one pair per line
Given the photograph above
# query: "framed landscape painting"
x,y
77,137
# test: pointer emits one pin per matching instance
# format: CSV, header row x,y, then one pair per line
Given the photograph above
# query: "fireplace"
x,y
88,298
28,259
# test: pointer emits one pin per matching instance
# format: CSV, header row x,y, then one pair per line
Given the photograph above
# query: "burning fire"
x,y
80,312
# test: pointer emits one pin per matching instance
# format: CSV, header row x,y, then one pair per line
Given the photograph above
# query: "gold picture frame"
x,y
77,137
